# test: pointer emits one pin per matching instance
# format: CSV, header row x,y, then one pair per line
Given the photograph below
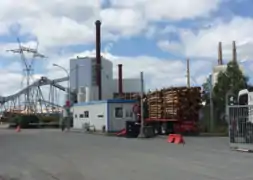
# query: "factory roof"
x,y
105,101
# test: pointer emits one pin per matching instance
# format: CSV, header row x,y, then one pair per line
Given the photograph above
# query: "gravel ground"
x,y
52,155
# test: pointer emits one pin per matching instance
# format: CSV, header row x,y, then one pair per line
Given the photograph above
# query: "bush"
x,y
49,119
24,120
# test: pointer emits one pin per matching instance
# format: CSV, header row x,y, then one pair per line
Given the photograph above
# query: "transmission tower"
x,y
28,70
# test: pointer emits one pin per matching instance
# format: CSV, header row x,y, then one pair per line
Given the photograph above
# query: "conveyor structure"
x,y
38,100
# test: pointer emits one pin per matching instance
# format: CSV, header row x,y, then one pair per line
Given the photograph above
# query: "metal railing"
x,y
240,120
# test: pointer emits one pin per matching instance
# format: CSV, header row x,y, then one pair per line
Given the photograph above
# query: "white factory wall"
x,y
81,76
107,75
112,114
85,75
129,85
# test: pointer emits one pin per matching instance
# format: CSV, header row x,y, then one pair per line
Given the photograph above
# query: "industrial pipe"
x,y
98,58
120,79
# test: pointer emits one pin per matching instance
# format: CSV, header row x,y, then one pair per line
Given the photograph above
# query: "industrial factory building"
x,y
105,115
108,113
83,75
99,97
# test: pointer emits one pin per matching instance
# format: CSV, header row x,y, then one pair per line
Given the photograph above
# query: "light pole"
x,y
64,69
211,101
68,91
141,135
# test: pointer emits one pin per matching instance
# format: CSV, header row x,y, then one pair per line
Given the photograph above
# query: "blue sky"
x,y
154,37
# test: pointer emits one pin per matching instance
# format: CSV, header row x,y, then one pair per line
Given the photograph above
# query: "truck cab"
x,y
244,114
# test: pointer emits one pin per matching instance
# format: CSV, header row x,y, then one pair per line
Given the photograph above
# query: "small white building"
x,y
109,115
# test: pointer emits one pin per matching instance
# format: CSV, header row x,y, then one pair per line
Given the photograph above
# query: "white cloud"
x,y
56,22
171,46
125,22
204,44
170,9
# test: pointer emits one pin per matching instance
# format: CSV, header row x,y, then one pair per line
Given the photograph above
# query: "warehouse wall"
x,y
97,115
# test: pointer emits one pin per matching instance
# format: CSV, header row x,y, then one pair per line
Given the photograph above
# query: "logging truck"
x,y
173,110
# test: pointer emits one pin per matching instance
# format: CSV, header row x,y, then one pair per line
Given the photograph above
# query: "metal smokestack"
x,y
120,79
220,54
234,52
98,58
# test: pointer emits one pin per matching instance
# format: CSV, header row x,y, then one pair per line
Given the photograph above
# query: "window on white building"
x,y
81,115
86,114
75,115
118,113
129,113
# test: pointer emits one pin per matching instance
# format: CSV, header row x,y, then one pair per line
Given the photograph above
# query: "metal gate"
x,y
240,120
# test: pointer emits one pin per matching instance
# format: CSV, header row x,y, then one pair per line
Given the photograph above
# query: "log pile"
x,y
180,103
155,104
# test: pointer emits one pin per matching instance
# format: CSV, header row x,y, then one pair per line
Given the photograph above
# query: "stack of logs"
x,y
175,103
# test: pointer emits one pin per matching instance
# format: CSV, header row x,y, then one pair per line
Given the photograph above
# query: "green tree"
x,y
231,80
206,91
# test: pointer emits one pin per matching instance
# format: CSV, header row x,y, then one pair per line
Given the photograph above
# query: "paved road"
x,y
52,155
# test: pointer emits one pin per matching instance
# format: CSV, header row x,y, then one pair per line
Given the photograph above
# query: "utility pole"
x,y
211,103
188,73
141,135
77,79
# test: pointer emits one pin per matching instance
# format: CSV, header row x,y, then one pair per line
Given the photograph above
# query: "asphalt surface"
x,y
53,155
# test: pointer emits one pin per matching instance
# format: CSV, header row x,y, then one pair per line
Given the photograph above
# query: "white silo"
x,y
81,94
87,94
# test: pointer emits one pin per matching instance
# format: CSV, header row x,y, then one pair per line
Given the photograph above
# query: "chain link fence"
x,y
240,121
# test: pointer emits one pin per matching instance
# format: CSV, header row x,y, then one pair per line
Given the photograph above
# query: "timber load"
x,y
179,103
155,104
